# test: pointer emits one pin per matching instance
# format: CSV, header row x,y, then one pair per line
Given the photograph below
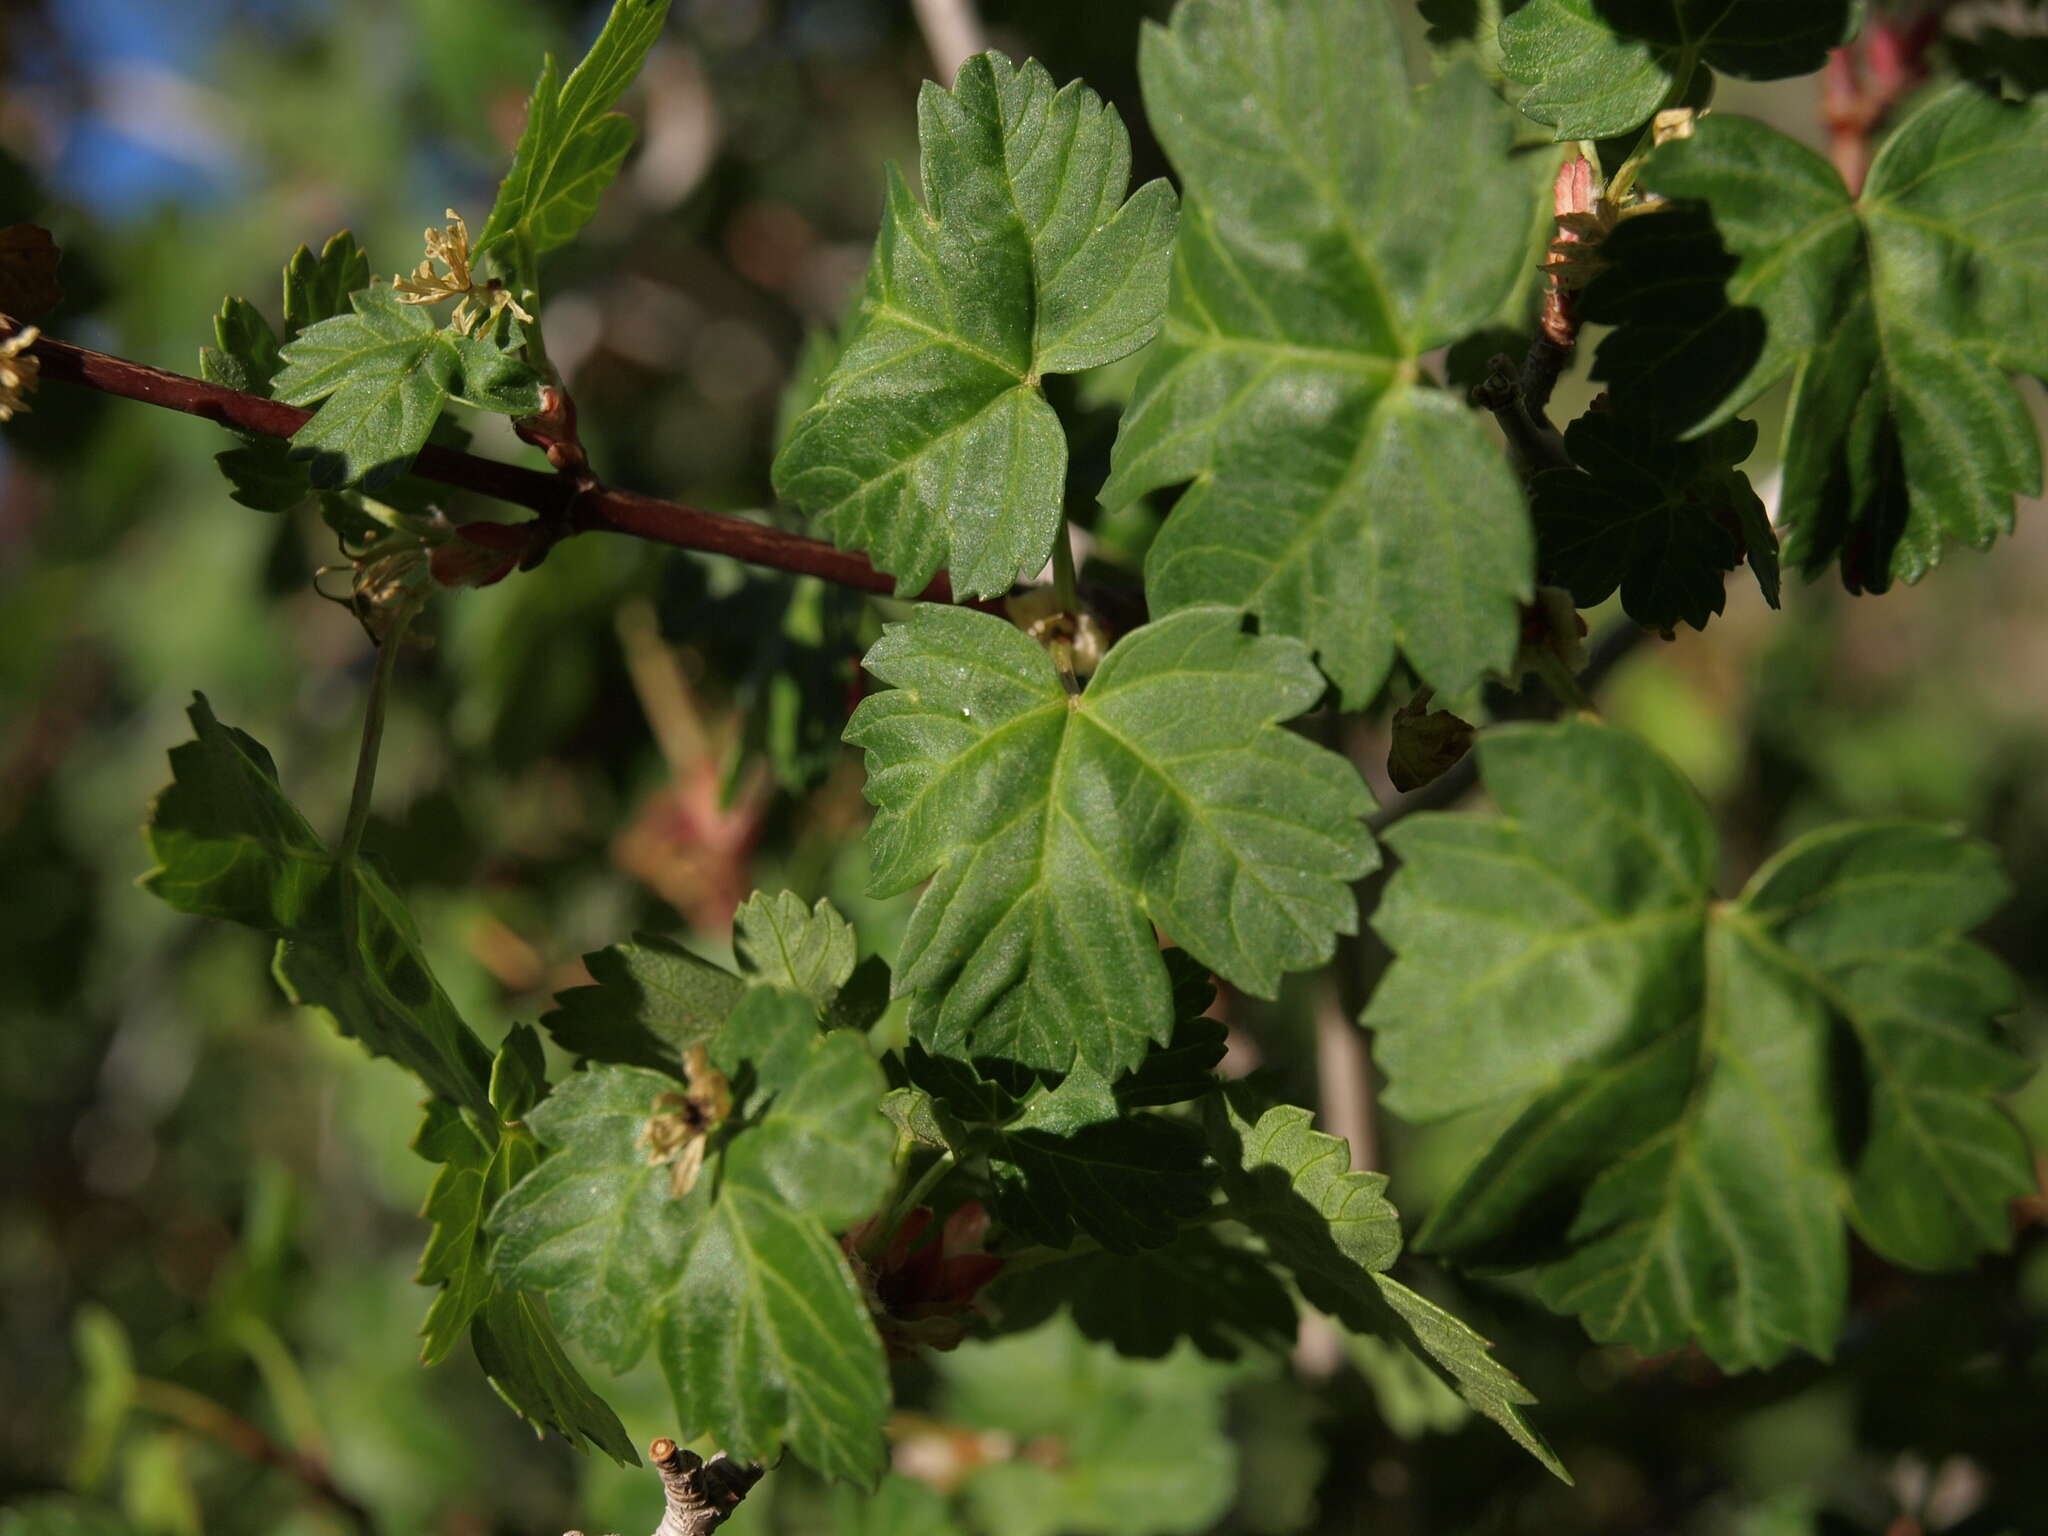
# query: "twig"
x,y
1557,328
203,1416
373,728
952,32
699,1495
1532,440
1865,80
567,505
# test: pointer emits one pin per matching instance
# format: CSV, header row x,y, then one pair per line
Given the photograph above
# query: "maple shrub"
x,y
1110,801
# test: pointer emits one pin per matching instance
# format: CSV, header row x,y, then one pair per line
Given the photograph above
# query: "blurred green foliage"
x,y
209,1199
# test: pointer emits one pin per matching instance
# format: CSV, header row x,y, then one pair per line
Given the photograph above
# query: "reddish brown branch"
x,y
568,503
1865,80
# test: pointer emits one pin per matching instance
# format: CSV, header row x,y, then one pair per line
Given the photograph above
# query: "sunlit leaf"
x,y
931,442
573,143
1057,828
1339,225
380,377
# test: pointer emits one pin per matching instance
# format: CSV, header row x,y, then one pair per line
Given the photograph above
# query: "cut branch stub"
x,y
700,1494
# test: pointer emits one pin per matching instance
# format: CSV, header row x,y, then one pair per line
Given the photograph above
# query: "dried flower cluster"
x,y
481,302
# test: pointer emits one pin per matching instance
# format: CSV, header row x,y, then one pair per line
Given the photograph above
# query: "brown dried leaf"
x,y
1426,742
28,271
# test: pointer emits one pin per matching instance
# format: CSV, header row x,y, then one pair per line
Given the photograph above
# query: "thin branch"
x,y
952,32
568,504
203,1416
1865,80
698,1495
359,798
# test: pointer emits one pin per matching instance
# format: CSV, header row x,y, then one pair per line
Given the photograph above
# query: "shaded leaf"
x,y
651,999
1144,1441
1898,315
573,143
1057,828
519,1353
228,844
931,443
1335,1231
28,272
474,1173
1709,1087
1318,258
1663,521
1218,1297
262,472
1599,68
757,1321
1427,743
1126,1181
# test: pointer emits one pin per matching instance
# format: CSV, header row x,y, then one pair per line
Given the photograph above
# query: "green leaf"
x,y
383,373
246,354
1897,314
1127,1181
454,1257
1319,257
1143,1440
1663,521
1708,1087
366,971
770,1031
317,288
59,1515
931,443
262,472
596,1227
106,1396
1218,1297
757,1321
477,1168
1057,829
770,1341
573,143
228,844
1599,68
1335,1230
1183,1068
517,1348
781,942
1332,1227
651,1000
